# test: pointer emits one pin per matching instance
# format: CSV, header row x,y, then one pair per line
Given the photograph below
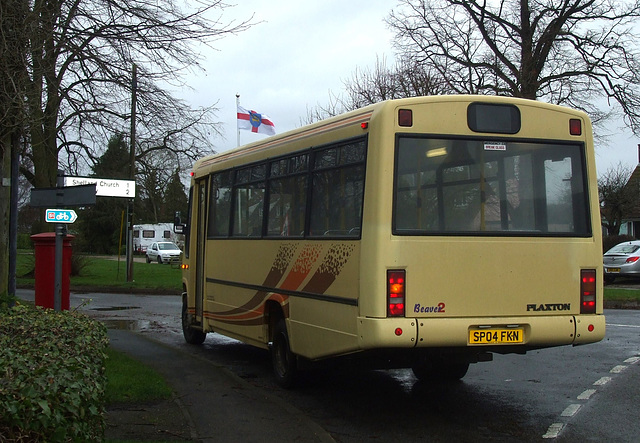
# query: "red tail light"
x,y
405,117
588,291
395,293
632,259
575,126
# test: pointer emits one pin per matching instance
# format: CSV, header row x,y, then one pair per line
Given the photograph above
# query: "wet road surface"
x,y
586,393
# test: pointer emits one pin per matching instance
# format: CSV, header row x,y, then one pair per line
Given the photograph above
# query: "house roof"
x,y
634,182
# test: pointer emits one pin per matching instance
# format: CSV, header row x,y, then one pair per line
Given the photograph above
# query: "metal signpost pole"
x,y
128,243
60,232
57,295
132,171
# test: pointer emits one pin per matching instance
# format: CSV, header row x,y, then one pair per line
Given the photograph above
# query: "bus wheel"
x,y
191,335
448,371
284,362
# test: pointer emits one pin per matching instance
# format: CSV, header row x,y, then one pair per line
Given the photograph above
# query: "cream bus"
x,y
426,233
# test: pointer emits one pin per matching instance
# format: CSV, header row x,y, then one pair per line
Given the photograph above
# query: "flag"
x,y
254,122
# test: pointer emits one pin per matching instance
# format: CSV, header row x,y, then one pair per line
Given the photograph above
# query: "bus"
x,y
425,233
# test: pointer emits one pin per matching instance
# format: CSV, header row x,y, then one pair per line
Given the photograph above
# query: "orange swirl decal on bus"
x,y
252,312
330,268
301,268
280,264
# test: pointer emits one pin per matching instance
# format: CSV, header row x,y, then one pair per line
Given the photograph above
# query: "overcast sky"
x,y
302,51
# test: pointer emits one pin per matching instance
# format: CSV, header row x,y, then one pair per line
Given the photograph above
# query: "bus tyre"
x,y
191,335
446,371
284,362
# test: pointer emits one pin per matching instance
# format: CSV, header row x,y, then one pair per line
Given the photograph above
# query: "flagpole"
x,y
237,126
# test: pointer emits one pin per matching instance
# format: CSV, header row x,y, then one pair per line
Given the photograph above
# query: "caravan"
x,y
144,235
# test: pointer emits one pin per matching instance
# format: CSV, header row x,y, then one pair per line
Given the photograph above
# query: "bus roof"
x,y
351,124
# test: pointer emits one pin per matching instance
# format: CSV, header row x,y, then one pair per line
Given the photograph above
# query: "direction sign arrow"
x,y
69,196
60,216
105,187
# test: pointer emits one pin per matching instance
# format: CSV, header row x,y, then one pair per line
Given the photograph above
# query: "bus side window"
x,y
338,191
219,205
287,204
336,207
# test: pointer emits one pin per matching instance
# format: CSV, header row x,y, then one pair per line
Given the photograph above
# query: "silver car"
x,y
623,260
163,252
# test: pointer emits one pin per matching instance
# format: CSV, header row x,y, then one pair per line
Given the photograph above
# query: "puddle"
x,y
116,308
127,325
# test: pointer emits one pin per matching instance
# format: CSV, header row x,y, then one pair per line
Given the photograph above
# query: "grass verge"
x,y
105,273
129,381
622,294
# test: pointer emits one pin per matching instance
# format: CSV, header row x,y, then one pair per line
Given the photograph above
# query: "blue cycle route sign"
x,y
60,216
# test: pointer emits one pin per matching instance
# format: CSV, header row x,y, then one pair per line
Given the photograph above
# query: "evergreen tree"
x,y
149,199
175,198
100,225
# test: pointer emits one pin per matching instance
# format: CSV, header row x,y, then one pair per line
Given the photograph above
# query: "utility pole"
x,y
132,171
13,217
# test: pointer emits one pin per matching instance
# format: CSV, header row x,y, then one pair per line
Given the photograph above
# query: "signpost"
x,y
75,191
60,216
105,187
59,197
113,188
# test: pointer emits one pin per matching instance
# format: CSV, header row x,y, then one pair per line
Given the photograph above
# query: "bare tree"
x,y
154,174
618,196
569,52
367,86
13,55
335,106
65,82
405,79
80,57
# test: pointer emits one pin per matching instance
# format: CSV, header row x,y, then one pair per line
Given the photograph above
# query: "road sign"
x,y
105,187
70,196
60,216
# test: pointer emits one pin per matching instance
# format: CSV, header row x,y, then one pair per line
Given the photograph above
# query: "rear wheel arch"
x,y
191,334
284,362
273,312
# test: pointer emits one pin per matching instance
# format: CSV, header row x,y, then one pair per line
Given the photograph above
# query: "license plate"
x,y
496,336
612,270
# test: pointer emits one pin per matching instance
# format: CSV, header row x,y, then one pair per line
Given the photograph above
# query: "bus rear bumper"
x,y
589,329
533,332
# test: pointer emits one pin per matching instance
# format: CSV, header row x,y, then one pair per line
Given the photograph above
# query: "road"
x,y
566,394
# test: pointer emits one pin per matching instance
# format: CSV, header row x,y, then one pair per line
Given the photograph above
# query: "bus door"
x,y
200,246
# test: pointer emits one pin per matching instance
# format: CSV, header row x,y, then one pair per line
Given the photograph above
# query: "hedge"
x,y
52,376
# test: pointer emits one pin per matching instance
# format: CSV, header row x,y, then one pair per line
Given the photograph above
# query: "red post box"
x,y
45,265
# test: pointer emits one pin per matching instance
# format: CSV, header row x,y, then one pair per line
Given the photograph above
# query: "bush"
x,y
6,302
78,263
25,242
51,376
28,266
